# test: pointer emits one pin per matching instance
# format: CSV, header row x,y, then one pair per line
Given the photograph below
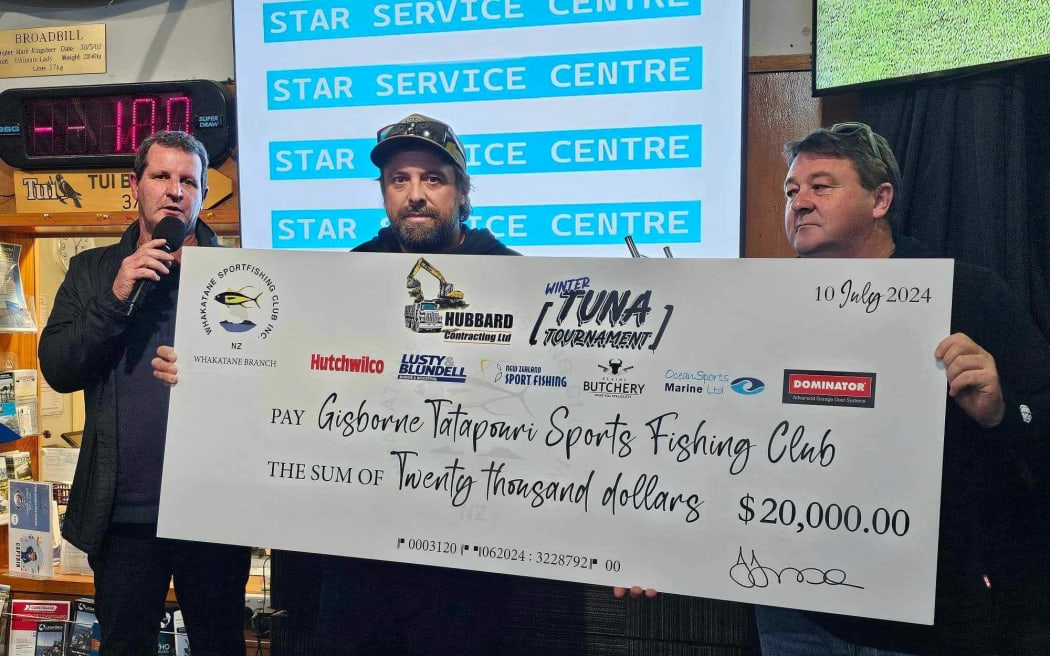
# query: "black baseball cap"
x,y
419,130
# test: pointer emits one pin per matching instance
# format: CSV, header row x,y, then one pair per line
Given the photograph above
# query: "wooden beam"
x,y
225,222
779,63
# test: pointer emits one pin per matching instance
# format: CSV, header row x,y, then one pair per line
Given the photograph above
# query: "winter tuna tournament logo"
x,y
240,300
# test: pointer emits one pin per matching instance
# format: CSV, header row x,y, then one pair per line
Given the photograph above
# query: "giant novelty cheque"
x,y
767,431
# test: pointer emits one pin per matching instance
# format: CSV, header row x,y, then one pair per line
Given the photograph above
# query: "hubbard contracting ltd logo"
x,y
443,310
240,299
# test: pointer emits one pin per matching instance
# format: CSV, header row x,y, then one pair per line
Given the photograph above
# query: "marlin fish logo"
x,y
232,297
487,372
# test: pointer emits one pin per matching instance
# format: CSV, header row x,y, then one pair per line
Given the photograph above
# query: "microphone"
x,y
173,231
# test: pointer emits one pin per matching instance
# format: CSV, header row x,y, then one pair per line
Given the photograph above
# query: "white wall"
x,y
781,27
158,40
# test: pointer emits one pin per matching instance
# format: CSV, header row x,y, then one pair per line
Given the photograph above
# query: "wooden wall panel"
x,y
780,108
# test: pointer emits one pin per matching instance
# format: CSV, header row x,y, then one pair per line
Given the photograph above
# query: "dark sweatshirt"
x,y
475,242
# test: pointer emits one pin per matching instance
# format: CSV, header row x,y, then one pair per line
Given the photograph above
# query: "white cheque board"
x,y
584,121
760,430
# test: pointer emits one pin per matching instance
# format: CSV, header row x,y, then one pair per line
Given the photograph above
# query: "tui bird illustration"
x,y
66,190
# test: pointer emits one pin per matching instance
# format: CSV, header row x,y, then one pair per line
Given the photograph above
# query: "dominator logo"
x,y
240,298
841,388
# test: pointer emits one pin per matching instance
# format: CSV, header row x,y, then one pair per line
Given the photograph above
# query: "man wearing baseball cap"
x,y
376,607
426,192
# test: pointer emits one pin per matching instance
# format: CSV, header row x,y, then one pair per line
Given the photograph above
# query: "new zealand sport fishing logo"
x,y
240,298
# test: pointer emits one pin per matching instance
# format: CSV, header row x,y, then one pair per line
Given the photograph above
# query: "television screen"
x,y
862,42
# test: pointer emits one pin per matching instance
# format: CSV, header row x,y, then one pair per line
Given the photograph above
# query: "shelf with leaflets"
x,y
29,444
69,587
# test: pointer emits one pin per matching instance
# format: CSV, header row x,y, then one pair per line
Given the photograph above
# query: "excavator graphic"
x,y
423,315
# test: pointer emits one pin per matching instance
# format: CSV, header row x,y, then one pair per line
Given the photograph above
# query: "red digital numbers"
x,y
102,125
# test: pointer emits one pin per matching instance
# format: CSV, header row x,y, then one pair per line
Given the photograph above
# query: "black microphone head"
x,y
173,231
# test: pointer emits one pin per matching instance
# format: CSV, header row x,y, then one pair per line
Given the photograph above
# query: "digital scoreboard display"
x,y
98,126
103,125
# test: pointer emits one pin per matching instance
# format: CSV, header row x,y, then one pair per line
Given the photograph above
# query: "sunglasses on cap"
x,y
854,128
439,133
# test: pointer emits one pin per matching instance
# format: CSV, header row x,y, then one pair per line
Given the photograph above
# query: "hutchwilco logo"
x,y
240,298
364,364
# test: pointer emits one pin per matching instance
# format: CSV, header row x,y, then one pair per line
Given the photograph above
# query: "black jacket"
x,y
475,242
994,535
376,607
79,350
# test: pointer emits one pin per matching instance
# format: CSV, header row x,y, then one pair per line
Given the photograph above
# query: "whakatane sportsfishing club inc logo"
x,y
240,299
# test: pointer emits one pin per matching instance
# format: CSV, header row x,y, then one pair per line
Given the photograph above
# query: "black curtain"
x,y
975,167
